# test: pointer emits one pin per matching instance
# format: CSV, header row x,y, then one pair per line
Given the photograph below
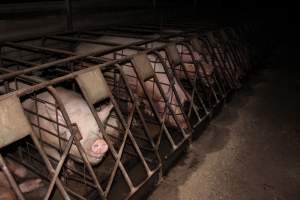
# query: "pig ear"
x,y
104,113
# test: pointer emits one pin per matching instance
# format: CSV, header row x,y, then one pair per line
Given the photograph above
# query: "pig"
x,y
207,70
153,90
210,65
136,88
78,111
6,192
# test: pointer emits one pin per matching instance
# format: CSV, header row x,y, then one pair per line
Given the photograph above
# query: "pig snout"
x,y
96,151
99,147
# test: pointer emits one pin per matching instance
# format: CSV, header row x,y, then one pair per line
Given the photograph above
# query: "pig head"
x,y
78,111
205,68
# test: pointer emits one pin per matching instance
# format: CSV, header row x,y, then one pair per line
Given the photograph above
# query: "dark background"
x,y
26,18
22,17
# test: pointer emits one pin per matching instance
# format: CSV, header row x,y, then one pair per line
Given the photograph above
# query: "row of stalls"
x,y
105,113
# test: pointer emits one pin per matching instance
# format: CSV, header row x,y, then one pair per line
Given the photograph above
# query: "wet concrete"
x,y
251,150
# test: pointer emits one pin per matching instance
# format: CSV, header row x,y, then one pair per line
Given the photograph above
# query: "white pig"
x,y
207,70
78,111
183,95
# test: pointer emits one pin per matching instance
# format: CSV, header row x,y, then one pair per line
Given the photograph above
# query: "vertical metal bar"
x,y
154,4
199,64
147,131
74,131
49,166
10,178
171,76
69,15
221,64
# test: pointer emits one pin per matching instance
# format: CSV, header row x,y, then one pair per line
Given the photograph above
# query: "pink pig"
x,y
92,141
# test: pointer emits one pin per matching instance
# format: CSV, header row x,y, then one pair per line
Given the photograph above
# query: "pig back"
x,y
77,110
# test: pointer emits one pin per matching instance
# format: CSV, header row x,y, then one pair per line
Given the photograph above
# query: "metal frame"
x,y
224,49
161,50
117,155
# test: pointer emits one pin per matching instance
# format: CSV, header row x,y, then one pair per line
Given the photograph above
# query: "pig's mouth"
x,y
96,156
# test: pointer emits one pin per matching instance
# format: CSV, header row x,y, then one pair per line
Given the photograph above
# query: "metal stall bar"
x,y
137,48
203,50
86,81
237,47
225,53
15,126
187,40
84,40
76,39
70,39
73,138
77,57
220,62
214,55
146,75
134,189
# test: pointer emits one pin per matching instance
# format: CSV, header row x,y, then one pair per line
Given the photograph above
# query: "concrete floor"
x,y
250,151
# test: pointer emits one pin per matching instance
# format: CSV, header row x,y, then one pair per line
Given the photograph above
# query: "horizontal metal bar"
x,y
15,60
76,57
76,39
105,33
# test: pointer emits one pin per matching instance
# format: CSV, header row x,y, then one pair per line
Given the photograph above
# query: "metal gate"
x,y
132,159
204,97
148,121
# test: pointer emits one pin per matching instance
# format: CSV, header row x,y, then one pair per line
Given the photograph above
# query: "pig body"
x,y
78,111
206,73
154,92
150,85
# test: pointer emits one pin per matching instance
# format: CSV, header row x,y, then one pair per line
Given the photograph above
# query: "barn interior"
x,y
161,99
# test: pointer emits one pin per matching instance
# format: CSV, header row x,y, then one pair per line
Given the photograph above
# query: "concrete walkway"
x,y
251,151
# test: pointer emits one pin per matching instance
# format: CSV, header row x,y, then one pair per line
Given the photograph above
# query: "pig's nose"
x,y
99,147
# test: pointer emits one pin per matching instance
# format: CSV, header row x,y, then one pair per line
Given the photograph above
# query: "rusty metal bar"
x,y
10,178
104,33
18,61
76,57
69,19
75,132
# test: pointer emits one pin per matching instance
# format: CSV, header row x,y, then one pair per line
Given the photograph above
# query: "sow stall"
x,y
159,57
197,110
142,142
145,130
207,89
221,40
200,40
